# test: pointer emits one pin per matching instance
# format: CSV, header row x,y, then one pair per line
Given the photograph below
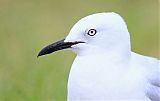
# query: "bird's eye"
x,y
91,32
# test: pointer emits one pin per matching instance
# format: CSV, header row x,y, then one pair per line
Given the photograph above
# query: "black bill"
x,y
59,45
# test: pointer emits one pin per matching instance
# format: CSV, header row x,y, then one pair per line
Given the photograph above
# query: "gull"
x,y
105,68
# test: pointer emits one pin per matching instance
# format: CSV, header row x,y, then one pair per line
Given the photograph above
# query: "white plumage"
x,y
105,67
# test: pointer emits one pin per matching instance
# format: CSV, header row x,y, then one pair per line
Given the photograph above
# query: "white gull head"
x,y
101,32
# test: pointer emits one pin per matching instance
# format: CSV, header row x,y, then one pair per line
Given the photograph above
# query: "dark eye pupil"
x,y
92,32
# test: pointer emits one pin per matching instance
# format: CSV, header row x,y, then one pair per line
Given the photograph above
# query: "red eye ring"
x,y
92,32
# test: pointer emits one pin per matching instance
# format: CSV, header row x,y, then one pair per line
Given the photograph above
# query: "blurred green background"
x,y
28,25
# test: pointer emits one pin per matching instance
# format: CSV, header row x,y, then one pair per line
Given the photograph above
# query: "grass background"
x,y
28,25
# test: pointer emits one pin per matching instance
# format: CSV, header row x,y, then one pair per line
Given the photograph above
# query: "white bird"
x,y
105,67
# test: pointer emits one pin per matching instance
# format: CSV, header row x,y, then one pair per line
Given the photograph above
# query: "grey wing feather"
x,y
153,90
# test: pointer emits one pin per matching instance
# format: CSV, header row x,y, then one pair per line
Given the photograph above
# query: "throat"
x,y
116,55
102,60
115,52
